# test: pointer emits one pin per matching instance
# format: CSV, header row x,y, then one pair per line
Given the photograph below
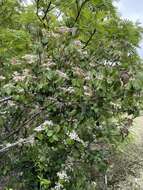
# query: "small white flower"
x,y
62,175
74,136
43,125
77,43
58,186
48,122
39,128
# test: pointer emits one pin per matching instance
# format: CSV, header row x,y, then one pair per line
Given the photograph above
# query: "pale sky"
x,y
132,9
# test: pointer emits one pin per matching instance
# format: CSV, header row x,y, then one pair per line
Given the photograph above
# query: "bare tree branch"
x,y
5,99
25,123
8,146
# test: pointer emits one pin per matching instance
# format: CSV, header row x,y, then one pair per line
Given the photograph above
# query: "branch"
x,y
88,41
37,7
5,99
27,140
25,123
79,10
45,13
77,5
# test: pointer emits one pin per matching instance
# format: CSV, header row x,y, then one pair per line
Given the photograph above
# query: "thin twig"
x,y
88,41
45,14
37,7
79,11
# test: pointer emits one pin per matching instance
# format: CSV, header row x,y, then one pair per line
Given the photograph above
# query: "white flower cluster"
x,y
109,63
64,30
58,186
62,175
74,136
69,89
116,105
43,125
21,77
29,58
18,77
87,91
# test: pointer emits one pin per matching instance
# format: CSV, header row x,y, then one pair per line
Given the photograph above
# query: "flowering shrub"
x,y
67,105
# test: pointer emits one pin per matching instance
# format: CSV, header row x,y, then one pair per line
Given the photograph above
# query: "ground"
x,y
133,159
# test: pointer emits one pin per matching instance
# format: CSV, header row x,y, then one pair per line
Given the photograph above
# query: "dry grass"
x,y
127,172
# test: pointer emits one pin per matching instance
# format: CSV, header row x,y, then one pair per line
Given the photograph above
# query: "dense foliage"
x,y
70,87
